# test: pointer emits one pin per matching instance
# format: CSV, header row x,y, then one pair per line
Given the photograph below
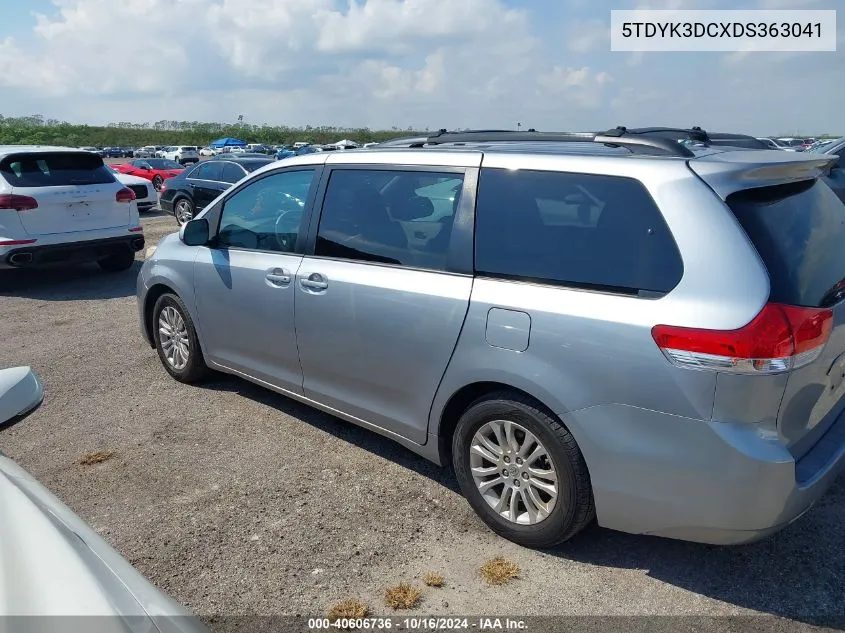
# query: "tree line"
x,y
38,130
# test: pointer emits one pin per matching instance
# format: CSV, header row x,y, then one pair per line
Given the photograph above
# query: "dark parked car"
x,y
193,189
114,152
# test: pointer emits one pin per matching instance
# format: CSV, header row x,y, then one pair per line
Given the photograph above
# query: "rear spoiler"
x,y
729,172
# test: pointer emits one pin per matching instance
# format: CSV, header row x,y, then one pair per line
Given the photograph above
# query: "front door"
x,y
377,315
245,280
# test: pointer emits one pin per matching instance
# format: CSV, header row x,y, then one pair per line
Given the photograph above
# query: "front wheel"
x,y
176,340
522,471
157,182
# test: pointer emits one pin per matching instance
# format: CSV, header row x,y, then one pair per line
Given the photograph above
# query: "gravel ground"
x,y
238,501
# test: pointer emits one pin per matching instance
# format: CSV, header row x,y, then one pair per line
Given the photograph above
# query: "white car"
x,y
60,205
208,151
146,196
56,565
182,154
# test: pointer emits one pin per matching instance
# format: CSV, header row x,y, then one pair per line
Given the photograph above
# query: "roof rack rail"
x,y
695,133
618,137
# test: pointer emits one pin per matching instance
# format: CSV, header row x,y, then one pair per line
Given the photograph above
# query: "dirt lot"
x,y
237,501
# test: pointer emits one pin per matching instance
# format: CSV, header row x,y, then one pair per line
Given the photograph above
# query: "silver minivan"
x,y
610,327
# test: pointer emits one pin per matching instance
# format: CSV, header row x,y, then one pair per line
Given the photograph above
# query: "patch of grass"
x,y
349,608
433,579
402,596
499,571
97,457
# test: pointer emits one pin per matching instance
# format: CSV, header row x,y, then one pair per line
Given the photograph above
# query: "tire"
x,y
573,507
194,368
157,182
117,262
183,210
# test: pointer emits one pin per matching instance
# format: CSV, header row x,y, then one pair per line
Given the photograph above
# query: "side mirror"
x,y
195,232
20,393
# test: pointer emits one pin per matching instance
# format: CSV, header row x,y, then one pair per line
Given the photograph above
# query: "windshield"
x,y
163,163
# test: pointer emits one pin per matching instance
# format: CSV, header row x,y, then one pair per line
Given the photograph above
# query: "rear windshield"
x,y
799,232
53,169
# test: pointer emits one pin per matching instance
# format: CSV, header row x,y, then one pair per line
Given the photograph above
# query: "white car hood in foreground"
x,y
53,564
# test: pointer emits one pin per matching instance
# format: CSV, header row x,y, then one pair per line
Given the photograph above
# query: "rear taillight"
x,y
779,339
137,229
16,242
125,195
17,203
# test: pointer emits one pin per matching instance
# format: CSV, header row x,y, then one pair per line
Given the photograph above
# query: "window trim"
x,y
618,291
461,245
215,214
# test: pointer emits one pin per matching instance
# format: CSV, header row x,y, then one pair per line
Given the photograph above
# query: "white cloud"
x,y
589,35
437,63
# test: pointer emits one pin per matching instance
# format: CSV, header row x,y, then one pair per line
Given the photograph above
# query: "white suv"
x,y
63,205
182,154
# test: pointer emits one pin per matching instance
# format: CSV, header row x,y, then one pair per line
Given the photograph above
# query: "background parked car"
x,y
207,151
146,196
156,170
148,151
60,206
190,192
284,152
182,154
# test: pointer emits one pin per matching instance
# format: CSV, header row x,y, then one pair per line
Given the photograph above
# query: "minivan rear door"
x,y
75,191
799,232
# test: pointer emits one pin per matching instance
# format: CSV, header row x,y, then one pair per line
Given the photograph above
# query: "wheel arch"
x,y
463,397
153,295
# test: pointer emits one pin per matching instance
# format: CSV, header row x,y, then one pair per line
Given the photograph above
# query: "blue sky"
x,y
386,63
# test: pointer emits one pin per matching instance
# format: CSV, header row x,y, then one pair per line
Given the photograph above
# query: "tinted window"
x,y
232,173
799,232
392,217
252,165
51,169
210,170
267,213
579,230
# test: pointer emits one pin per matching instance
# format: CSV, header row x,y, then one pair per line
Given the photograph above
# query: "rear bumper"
x,y
67,253
711,482
146,205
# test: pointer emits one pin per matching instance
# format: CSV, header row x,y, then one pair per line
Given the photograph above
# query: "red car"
x,y
156,169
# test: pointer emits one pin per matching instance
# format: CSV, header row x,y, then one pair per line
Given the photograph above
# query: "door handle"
x,y
277,277
314,282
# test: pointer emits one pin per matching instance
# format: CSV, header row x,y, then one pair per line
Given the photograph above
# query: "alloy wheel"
x,y
514,472
173,334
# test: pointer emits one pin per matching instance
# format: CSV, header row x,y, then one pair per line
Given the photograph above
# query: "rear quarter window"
x,y
799,231
580,230
53,169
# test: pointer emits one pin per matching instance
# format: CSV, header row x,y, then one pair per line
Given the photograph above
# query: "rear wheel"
x,y
118,261
158,182
176,340
183,210
522,471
